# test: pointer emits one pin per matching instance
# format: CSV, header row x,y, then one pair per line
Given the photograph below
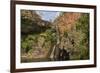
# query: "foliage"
x,y
39,35
28,42
83,26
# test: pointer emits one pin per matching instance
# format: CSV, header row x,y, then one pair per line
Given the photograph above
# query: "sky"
x,y
48,15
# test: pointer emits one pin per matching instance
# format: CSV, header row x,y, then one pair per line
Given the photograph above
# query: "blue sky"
x,y
48,15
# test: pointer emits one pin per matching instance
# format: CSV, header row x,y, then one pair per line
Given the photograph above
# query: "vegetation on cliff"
x,y
39,37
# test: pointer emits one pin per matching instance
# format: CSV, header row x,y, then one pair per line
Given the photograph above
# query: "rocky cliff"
x,y
66,21
39,37
32,22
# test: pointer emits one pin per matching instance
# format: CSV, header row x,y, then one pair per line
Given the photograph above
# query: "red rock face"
x,y
67,21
